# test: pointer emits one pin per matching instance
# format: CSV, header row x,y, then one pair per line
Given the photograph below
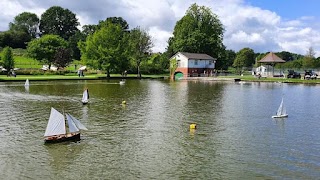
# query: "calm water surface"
x,y
149,138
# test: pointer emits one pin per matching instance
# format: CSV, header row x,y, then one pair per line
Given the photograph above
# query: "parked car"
x,y
309,74
293,74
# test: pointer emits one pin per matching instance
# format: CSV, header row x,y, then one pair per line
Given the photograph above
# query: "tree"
x,y
26,22
59,21
173,67
140,45
309,59
199,31
7,58
89,29
45,48
310,53
14,39
104,48
287,56
73,44
115,20
244,58
62,57
230,57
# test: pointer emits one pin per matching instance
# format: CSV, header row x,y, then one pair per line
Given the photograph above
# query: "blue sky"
x,y
289,9
262,25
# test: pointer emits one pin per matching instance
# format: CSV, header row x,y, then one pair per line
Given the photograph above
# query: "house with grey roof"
x,y
193,65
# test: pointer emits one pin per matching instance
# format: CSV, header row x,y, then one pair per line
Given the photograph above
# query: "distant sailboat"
x,y
85,96
281,113
122,82
26,84
56,128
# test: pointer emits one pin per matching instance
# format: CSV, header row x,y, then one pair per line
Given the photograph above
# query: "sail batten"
x,y
56,124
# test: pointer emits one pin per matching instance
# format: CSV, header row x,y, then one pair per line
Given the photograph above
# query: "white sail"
x,y
26,83
85,96
281,109
56,124
77,123
72,126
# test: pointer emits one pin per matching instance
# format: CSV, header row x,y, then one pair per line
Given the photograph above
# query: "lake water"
x,y
149,138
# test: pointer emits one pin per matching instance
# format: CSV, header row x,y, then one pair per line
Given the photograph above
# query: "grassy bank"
x,y
75,77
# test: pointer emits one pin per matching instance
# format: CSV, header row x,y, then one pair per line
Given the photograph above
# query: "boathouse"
x,y
193,65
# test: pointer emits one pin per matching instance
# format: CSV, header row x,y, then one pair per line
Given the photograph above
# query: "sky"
x,y
262,25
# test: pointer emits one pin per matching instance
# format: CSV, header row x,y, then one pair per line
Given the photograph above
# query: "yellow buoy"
x,y
193,126
124,102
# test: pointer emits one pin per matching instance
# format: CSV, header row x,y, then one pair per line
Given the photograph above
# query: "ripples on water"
x,y
149,137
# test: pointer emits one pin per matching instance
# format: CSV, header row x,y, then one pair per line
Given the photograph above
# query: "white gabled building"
x,y
193,64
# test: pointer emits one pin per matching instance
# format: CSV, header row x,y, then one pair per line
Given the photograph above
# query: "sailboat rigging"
x,y
56,130
85,96
281,113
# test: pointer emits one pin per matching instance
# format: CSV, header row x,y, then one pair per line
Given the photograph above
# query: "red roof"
x,y
272,58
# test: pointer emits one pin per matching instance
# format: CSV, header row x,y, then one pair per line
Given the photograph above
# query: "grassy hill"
x,y
22,61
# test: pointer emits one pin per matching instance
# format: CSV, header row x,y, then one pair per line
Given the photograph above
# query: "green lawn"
x,y
26,63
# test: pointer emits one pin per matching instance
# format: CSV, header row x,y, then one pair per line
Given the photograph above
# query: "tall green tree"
x,y
199,31
45,48
59,21
140,44
7,59
104,48
26,22
244,58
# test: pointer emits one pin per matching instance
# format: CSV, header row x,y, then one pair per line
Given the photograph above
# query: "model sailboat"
x,y
122,82
56,128
26,84
85,96
281,113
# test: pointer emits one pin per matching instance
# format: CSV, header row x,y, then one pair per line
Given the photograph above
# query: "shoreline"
x,y
4,78
62,77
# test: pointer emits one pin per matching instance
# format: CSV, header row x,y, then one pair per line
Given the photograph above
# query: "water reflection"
x,y
149,137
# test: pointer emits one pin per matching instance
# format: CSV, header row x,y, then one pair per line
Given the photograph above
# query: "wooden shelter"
x,y
271,59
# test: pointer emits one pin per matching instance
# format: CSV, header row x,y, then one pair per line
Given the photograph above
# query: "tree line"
x,y
113,47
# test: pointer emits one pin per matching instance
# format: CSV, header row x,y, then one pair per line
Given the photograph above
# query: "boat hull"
x,y
281,116
69,137
84,102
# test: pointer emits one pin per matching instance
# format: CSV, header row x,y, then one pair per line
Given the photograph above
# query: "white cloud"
x,y
245,25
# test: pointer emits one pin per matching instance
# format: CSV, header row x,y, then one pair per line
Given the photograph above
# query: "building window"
x,y
195,62
210,62
179,63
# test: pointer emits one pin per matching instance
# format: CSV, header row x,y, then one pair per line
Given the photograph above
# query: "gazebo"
x,y
271,59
